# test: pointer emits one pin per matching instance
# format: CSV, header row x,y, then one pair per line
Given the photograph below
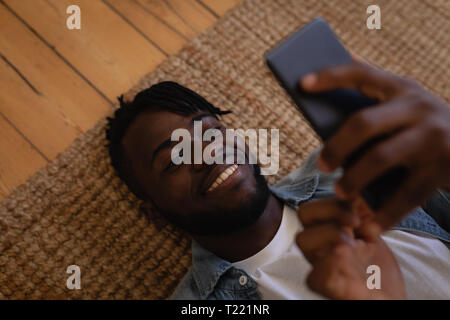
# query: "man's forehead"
x,y
159,124
150,128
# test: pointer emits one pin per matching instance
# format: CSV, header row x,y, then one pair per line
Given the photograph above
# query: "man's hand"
x,y
339,260
414,127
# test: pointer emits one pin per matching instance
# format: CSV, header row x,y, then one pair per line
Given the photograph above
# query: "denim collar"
x,y
207,268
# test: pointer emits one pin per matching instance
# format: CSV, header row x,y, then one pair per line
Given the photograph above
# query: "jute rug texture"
x,y
76,211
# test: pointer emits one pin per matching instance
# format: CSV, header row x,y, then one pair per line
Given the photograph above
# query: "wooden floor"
x,y
56,83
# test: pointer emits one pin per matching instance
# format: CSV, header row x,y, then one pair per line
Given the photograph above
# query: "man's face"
x,y
182,192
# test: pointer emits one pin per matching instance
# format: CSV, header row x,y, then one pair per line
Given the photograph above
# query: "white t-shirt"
x,y
280,269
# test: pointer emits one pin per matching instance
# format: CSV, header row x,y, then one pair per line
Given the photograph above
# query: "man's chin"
x,y
236,213
229,211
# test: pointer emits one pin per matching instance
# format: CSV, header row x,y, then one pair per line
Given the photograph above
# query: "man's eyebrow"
x,y
201,116
167,143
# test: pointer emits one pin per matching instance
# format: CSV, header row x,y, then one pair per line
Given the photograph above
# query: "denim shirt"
x,y
213,278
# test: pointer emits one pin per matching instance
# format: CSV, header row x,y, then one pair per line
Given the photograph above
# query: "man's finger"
x,y
361,208
326,277
317,241
326,210
361,127
372,82
411,193
379,159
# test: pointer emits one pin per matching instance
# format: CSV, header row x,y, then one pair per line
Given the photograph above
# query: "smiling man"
x,y
181,193
245,234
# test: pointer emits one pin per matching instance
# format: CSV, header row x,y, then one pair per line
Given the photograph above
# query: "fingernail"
x,y
323,166
309,80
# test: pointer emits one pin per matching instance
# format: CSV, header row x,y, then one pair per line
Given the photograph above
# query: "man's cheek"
x,y
177,191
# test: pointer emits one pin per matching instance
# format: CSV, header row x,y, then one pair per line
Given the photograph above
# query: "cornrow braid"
x,y
167,95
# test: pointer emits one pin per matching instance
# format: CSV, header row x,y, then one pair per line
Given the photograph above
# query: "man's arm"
x,y
415,133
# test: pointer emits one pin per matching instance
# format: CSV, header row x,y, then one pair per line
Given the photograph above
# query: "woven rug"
x,y
76,211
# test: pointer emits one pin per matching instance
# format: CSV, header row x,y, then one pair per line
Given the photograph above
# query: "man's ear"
x,y
152,214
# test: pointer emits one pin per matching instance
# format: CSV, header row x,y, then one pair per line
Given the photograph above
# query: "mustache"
x,y
229,155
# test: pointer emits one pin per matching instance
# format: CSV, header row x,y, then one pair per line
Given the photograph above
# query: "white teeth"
x,y
223,176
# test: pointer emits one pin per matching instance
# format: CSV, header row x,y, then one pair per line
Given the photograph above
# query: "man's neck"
x,y
250,240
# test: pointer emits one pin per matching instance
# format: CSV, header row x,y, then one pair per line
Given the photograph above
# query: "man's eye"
x,y
169,165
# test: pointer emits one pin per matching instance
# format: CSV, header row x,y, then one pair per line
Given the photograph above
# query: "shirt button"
x,y
243,280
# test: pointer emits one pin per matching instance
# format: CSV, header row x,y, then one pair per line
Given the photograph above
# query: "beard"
x,y
224,221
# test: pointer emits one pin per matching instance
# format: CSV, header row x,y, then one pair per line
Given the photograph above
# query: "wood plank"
x,y
39,119
49,100
188,17
49,74
155,29
193,13
107,50
18,159
220,7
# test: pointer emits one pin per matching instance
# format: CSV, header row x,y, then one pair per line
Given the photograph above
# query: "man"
x,y
247,241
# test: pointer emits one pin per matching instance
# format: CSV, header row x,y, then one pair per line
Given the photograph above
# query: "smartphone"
x,y
309,49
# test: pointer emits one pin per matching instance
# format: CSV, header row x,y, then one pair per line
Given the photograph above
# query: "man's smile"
x,y
223,177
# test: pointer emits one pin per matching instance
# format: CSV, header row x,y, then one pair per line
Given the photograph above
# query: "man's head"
x,y
140,151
